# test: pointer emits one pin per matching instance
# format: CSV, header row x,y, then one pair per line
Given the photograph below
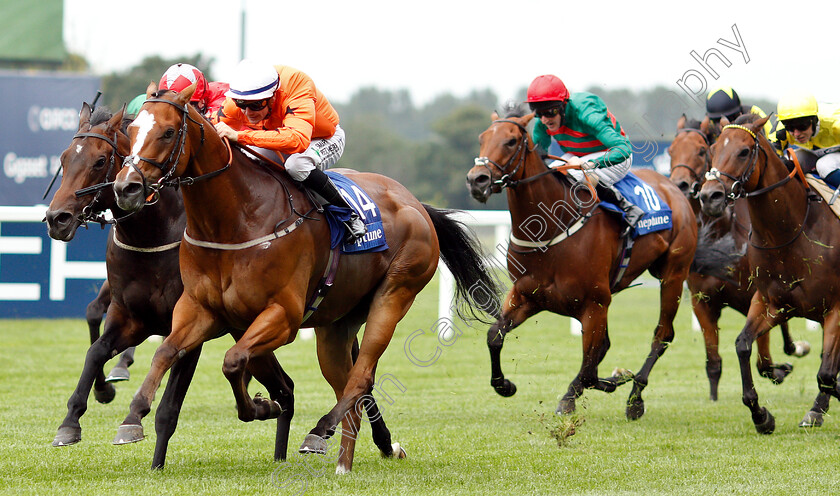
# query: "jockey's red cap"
x,y
180,76
547,88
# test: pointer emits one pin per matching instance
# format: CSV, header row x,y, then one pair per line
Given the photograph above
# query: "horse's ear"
x,y
151,89
759,124
494,116
184,96
84,115
526,119
706,125
724,122
115,122
681,122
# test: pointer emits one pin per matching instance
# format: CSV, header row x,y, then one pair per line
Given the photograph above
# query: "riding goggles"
x,y
550,112
255,105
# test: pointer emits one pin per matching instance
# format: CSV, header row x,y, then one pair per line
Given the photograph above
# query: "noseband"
x,y
737,190
88,212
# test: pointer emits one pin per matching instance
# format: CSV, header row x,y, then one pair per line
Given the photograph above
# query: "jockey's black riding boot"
x,y
320,183
632,213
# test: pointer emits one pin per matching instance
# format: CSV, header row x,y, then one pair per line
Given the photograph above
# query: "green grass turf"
x,y
461,437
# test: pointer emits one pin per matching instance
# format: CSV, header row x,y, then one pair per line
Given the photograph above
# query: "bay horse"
x,y
137,301
571,272
720,274
255,251
791,250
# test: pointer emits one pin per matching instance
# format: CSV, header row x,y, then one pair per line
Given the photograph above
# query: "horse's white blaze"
x,y
144,123
78,149
726,142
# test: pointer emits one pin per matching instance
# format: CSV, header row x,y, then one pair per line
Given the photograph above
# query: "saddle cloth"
x,y
657,213
825,190
368,211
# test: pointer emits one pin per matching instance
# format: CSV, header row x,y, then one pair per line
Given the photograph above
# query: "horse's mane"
x,y
512,109
100,115
746,118
692,124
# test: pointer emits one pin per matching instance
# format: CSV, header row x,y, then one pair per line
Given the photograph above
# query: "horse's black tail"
x,y
476,287
716,255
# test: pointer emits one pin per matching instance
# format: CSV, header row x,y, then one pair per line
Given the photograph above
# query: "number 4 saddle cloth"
x,y
356,197
657,213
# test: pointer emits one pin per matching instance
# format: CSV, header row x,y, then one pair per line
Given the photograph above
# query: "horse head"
x,y
738,157
162,145
504,150
690,156
89,163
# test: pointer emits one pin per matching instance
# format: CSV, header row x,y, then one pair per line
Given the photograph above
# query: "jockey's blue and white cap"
x,y
253,80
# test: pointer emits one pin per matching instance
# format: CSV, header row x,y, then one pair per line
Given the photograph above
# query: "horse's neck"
x,y
154,225
242,202
550,199
777,214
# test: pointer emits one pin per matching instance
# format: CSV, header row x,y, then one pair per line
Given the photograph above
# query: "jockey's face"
x,y
551,118
263,107
802,136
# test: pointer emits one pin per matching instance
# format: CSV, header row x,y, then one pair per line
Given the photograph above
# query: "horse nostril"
x,y
684,187
127,190
481,180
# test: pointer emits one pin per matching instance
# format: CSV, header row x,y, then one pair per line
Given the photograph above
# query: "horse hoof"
x,y
565,407
271,407
105,395
397,452
766,426
622,376
635,409
313,443
128,433
777,372
802,348
118,374
812,419
505,388
67,436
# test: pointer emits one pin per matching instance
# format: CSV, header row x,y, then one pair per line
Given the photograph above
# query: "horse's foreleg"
x,y
103,391
115,339
760,319
776,372
595,342
669,302
827,373
515,311
708,315
166,416
120,371
191,326
270,330
267,370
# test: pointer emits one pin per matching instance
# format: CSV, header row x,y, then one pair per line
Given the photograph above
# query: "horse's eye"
x,y
169,133
100,162
702,152
511,142
744,153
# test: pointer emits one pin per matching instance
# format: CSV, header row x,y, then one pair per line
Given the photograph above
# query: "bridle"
x,y
694,189
519,156
89,214
169,165
738,189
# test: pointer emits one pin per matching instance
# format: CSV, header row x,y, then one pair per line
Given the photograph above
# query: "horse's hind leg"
x,y
516,310
827,373
707,316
